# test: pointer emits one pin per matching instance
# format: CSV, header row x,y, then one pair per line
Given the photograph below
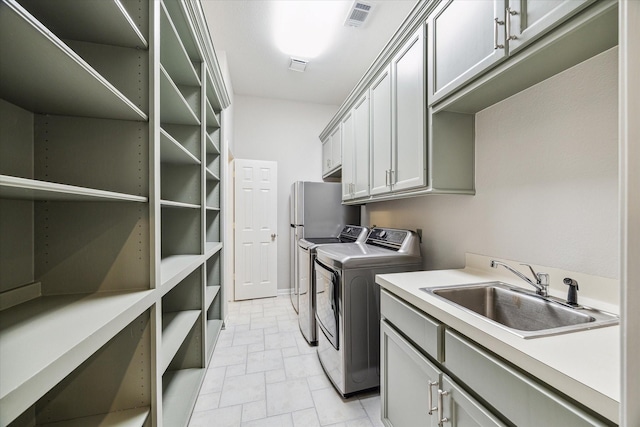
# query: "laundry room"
x,y
319,213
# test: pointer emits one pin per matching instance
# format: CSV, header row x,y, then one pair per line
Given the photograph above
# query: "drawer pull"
x,y
431,407
496,46
441,418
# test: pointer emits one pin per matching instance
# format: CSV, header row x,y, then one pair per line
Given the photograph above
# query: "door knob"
x,y
273,236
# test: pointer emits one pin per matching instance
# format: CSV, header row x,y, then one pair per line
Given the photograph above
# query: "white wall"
x,y
546,181
285,132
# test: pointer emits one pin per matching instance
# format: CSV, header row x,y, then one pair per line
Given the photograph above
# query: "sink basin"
x,y
525,314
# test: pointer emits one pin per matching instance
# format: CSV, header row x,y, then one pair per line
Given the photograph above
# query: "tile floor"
x,y
263,373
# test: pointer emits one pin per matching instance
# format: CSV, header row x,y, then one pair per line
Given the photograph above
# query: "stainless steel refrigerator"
x,y
316,211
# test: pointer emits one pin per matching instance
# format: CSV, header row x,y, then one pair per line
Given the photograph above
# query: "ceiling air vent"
x,y
358,14
297,64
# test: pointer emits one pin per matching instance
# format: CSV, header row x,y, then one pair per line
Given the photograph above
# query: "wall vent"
x,y
297,64
358,14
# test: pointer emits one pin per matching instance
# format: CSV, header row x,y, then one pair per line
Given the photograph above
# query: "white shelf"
x,y
180,391
103,22
173,55
180,205
214,327
40,73
12,187
211,293
212,209
35,356
175,328
212,148
211,176
212,119
175,268
174,108
126,418
212,248
171,151
184,27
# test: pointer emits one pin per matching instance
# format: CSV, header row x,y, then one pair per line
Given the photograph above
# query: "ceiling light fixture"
x,y
305,28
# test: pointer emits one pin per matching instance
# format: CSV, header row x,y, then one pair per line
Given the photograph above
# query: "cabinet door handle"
x,y
441,418
497,23
392,177
386,178
510,13
431,407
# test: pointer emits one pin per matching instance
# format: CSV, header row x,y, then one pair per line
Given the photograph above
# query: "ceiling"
x,y
244,30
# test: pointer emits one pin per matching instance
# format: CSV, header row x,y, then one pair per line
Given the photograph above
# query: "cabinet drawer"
x,y
521,400
422,330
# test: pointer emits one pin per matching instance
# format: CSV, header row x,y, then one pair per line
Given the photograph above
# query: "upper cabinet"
x,y
449,60
380,94
332,153
398,112
355,151
464,42
526,20
482,33
408,154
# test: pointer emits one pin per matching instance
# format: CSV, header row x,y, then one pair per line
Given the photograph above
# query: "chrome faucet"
x,y
542,279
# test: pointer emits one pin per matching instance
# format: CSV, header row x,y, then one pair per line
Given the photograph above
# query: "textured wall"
x,y
285,132
546,180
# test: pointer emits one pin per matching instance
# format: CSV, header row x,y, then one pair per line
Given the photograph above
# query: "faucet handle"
x,y
542,278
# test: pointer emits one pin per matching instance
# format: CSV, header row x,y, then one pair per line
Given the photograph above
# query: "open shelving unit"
x,y
110,282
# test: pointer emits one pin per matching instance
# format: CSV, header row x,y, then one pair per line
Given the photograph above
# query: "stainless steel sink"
x,y
523,313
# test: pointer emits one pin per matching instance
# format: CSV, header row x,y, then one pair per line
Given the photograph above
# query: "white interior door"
x,y
256,274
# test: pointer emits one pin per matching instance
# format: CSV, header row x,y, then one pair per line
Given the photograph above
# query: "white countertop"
x,y
584,365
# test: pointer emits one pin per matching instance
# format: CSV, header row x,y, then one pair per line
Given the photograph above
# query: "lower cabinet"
x,y
415,392
420,357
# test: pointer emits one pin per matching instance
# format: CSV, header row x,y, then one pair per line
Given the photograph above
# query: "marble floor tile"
x,y
221,417
331,408
288,396
267,360
242,389
254,411
263,373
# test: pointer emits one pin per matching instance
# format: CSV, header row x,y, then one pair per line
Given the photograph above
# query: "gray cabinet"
x,y
526,20
519,398
408,153
355,151
408,382
419,352
348,145
380,102
468,38
362,142
332,152
460,409
398,121
464,36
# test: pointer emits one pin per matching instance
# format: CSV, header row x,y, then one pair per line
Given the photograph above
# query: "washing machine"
x,y
307,248
348,303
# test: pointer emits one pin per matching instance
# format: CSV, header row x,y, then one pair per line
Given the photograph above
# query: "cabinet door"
x,y
405,378
336,148
347,157
361,147
466,39
409,153
462,410
380,102
529,19
326,155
